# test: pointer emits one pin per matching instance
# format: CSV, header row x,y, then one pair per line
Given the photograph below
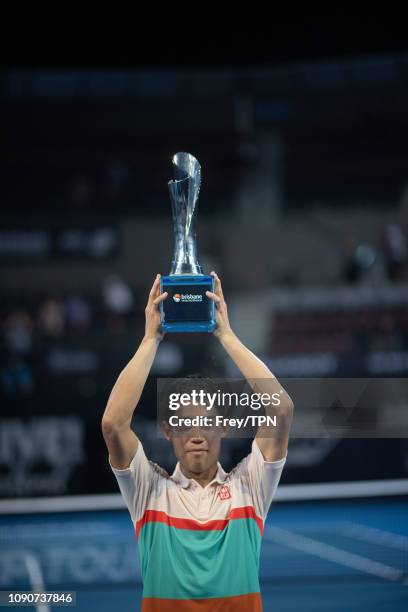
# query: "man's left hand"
x,y
223,325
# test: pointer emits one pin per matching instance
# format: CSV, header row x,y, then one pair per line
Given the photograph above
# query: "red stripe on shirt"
x,y
158,516
251,602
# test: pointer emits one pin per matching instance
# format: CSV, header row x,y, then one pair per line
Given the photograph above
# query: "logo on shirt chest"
x,y
225,492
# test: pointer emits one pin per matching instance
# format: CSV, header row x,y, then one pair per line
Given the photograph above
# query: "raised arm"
x,y
273,447
120,439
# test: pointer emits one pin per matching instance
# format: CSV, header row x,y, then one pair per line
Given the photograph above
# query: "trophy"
x,y
187,308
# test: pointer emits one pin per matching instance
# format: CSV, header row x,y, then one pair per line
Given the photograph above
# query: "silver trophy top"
x,y
184,190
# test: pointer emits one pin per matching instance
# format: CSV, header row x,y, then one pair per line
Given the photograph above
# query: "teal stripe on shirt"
x,y
189,564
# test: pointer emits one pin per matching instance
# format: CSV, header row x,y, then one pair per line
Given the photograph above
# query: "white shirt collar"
x,y
185,482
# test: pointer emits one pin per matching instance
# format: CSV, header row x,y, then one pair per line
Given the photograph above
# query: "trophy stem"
x,y
184,192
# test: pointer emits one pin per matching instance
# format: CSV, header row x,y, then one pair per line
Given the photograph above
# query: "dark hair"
x,y
183,385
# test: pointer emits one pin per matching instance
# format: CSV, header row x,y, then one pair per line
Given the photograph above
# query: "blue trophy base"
x,y
187,308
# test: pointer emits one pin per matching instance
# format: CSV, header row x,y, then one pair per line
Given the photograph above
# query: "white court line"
x,y
375,535
332,553
342,490
295,492
350,529
36,579
68,503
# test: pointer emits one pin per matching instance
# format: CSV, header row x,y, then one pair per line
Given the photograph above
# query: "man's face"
x,y
197,448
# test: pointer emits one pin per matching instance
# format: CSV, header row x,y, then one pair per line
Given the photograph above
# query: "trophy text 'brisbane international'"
x,y
187,308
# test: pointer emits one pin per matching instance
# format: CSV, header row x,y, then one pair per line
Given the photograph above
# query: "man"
x,y
199,530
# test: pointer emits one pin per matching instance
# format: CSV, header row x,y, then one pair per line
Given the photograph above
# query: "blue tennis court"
x,y
343,555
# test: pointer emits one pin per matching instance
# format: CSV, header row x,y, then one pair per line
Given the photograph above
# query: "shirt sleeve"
x,y
136,483
262,478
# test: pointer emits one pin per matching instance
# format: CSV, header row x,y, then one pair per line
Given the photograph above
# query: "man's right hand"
x,y
153,329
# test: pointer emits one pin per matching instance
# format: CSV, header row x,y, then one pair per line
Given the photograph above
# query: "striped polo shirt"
x,y
199,547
